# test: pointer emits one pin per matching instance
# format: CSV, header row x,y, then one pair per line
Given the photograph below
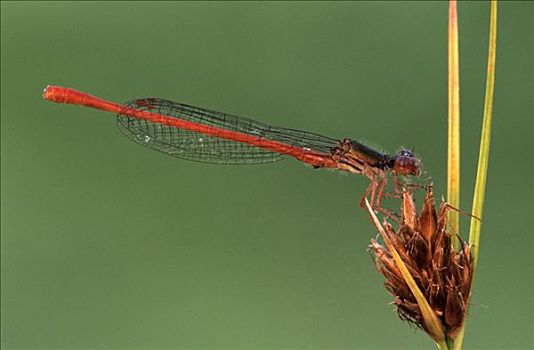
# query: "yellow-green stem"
x,y
453,157
483,156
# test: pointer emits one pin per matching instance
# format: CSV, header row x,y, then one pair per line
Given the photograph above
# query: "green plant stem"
x,y
453,153
483,157
442,345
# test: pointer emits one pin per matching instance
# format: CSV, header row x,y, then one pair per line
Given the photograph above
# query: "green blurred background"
x,y
106,244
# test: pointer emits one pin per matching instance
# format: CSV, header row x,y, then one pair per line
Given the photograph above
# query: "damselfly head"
x,y
406,163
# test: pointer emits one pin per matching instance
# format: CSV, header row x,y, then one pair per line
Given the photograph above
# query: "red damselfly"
x,y
204,135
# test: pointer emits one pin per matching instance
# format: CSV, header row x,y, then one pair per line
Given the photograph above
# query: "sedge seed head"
x,y
442,273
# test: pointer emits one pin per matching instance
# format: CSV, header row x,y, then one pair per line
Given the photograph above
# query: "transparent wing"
x,y
198,147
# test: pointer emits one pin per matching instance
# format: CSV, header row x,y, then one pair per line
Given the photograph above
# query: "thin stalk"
x,y
453,158
483,156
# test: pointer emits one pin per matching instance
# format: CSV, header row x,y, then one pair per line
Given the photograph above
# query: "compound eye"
x,y
406,153
406,163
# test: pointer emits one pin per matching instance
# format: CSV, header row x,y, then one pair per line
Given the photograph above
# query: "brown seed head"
x,y
442,273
